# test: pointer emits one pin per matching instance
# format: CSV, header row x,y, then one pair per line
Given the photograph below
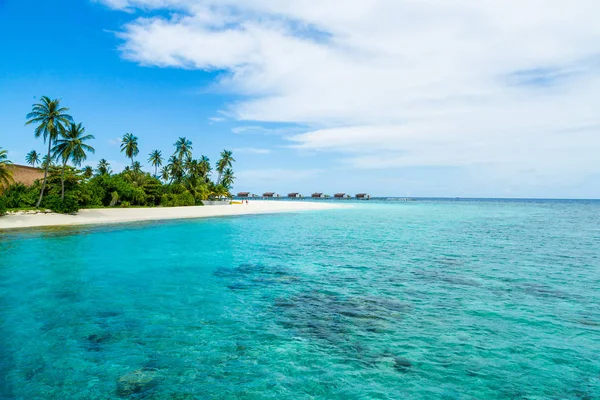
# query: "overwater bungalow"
x,y
270,194
341,196
295,195
318,196
247,195
363,196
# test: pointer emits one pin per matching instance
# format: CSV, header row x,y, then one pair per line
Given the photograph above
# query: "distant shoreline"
x,y
122,215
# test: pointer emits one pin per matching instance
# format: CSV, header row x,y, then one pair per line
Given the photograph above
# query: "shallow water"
x,y
421,300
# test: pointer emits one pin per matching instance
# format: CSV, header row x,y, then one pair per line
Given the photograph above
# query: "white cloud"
x,y
255,129
507,88
251,150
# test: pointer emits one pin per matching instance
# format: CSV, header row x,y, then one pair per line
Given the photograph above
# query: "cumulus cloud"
x,y
509,88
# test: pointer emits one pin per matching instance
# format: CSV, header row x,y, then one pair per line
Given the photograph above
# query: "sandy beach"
x,y
118,215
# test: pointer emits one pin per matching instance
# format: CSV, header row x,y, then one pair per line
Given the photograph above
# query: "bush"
x,y
88,195
67,206
177,200
20,196
2,206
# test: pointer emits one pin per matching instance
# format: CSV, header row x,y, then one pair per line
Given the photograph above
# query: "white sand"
x,y
116,215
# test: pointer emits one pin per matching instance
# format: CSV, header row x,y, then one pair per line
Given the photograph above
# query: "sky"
x,y
450,98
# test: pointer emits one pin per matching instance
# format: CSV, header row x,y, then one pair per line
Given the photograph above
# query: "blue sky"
x,y
388,97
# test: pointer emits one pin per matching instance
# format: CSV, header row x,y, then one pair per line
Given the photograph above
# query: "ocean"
x,y
427,299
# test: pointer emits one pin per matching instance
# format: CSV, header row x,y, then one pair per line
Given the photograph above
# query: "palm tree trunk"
x,y
219,178
62,181
45,174
156,170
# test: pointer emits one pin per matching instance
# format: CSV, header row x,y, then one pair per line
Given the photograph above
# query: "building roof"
x,y
268,193
339,194
26,175
243,193
293,194
317,194
361,195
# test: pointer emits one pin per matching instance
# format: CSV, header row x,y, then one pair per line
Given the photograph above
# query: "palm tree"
x,y
129,144
47,162
189,163
51,119
103,167
175,169
87,171
183,148
165,174
219,191
136,167
205,167
32,158
228,178
156,160
71,146
6,177
225,162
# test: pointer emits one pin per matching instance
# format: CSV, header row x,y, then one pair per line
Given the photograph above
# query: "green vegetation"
x,y
65,188
129,145
155,159
51,120
32,158
5,173
71,146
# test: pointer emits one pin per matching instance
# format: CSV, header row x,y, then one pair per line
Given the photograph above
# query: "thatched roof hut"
x,y
26,175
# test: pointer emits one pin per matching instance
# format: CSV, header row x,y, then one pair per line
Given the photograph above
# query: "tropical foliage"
x,y
129,145
50,119
178,180
87,172
103,167
155,159
224,162
71,146
5,173
32,158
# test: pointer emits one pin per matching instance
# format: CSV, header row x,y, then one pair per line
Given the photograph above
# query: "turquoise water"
x,y
421,300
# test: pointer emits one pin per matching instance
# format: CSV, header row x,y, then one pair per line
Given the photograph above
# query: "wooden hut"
x,y
363,196
270,194
341,196
295,195
244,194
318,196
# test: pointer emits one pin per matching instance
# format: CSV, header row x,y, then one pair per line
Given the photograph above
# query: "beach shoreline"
x,y
99,216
